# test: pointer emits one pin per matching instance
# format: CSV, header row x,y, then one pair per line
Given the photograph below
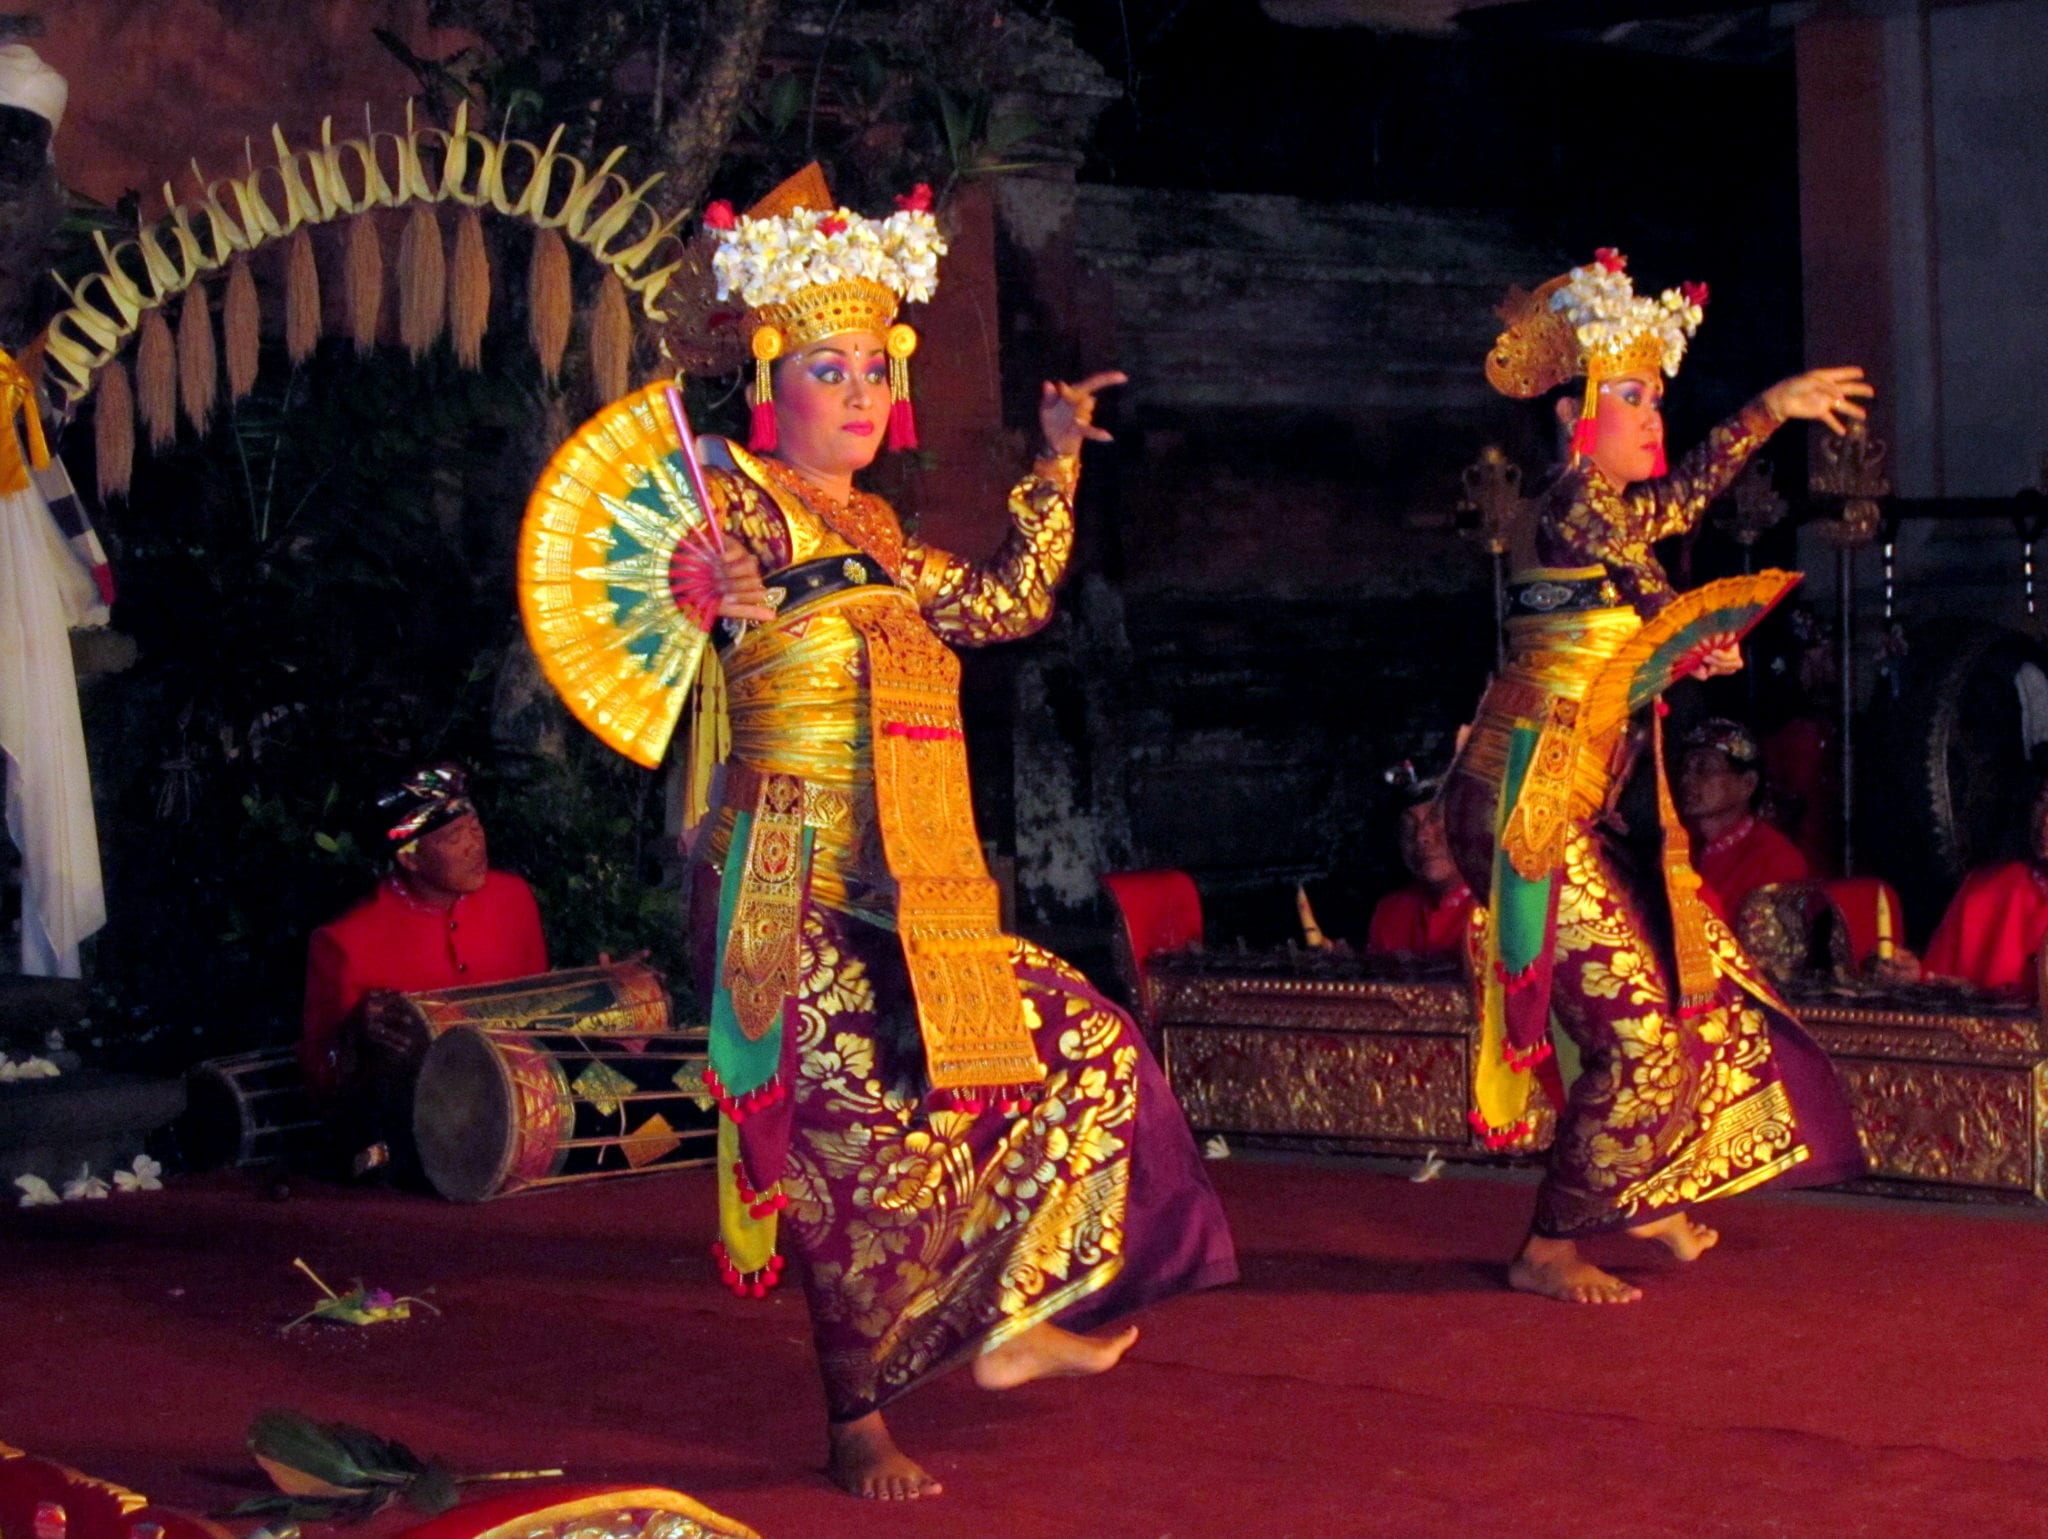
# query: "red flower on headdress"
x,y
719,216
1611,260
831,224
1695,294
916,201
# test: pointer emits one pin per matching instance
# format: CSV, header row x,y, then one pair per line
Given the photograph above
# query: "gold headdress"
x,y
806,269
1590,321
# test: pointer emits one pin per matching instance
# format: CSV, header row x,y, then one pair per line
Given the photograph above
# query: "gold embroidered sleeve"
x,y
747,514
1672,504
1594,522
1011,595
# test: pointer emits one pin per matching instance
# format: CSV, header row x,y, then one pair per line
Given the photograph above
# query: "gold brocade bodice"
x,y
1553,660
799,686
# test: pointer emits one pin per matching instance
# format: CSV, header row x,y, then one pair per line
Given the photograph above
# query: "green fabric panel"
x,y
742,1065
1521,908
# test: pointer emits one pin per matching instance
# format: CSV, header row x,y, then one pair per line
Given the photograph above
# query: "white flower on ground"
x,y
35,1191
144,1176
85,1186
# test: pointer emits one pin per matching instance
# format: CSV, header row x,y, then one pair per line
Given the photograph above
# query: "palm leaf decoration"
x,y
331,1471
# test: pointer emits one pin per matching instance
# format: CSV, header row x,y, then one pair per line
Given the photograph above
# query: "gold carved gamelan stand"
x,y
1951,1098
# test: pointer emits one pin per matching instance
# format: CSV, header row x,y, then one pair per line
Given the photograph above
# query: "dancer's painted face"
x,y
1628,430
832,403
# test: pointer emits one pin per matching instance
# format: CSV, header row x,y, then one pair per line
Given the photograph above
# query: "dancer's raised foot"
x,y
1047,1352
1678,1234
1554,1269
866,1462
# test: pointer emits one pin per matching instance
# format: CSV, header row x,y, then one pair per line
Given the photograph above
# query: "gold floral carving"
x,y
1948,1124
1391,1089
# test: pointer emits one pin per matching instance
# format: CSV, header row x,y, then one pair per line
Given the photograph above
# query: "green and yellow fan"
x,y
1671,645
618,571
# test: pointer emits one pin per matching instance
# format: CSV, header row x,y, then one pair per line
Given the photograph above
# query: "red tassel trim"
x,y
1583,433
739,1108
1521,982
1497,1139
759,1204
762,435
902,425
917,732
748,1285
1521,1062
1007,1100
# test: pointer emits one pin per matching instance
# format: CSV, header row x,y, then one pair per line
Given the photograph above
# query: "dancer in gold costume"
x,y
1695,1082
971,1153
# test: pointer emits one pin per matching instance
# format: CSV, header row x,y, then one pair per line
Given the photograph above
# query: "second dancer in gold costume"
x,y
1695,1081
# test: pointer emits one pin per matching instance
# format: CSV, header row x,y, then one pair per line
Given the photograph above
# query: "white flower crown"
x,y
770,261
1615,324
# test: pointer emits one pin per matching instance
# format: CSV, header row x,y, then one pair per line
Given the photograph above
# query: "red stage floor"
x,y
1839,1367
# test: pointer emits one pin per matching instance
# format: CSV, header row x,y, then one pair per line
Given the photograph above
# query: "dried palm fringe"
x,y
301,299
198,365
365,280
469,291
611,342
113,431
156,380
549,302
422,282
241,324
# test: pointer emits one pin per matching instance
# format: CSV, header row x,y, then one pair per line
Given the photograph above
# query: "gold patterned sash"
x,y
948,911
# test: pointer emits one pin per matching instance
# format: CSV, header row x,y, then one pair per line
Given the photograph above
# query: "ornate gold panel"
x,y
1365,1086
1949,1124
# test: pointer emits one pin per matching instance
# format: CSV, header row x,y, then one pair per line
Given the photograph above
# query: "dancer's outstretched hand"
x,y
1066,413
1821,395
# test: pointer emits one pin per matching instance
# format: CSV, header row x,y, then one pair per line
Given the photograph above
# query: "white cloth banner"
x,y
43,593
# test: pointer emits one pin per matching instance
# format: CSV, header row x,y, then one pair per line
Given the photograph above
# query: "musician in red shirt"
x,y
1734,850
1996,922
442,917
1427,918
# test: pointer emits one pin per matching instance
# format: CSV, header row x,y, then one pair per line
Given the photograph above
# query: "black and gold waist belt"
x,y
809,581
1560,594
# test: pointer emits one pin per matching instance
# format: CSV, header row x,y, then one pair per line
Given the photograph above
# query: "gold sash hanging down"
x,y
948,909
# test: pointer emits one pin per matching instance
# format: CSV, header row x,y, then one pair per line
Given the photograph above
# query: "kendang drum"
x,y
619,998
499,1112
246,1109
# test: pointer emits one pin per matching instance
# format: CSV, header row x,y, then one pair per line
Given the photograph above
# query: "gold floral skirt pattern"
x,y
925,1236
1669,1109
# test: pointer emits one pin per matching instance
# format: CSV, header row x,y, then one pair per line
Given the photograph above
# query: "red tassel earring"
x,y
1660,467
901,342
762,435
1584,430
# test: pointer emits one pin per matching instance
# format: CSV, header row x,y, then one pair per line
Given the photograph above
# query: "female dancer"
x,y
1695,1082
970,1151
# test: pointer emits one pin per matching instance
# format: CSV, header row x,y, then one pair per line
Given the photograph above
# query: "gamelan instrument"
x,y
498,1112
246,1109
617,998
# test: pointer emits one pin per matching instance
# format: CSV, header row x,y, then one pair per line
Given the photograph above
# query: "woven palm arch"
x,y
350,184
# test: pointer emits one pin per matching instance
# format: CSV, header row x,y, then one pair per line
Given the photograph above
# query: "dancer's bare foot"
x,y
1554,1269
866,1462
1047,1352
1678,1234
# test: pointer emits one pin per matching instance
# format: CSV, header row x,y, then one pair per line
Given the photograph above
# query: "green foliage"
x,y
587,833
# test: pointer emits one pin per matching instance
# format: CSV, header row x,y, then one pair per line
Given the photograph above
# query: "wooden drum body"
x,y
498,1112
617,998
246,1109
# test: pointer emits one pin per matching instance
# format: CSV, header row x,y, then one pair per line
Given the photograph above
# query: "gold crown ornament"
x,y
807,269
1591,322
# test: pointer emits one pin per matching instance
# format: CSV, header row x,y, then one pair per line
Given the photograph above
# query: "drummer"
x,y
440,918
